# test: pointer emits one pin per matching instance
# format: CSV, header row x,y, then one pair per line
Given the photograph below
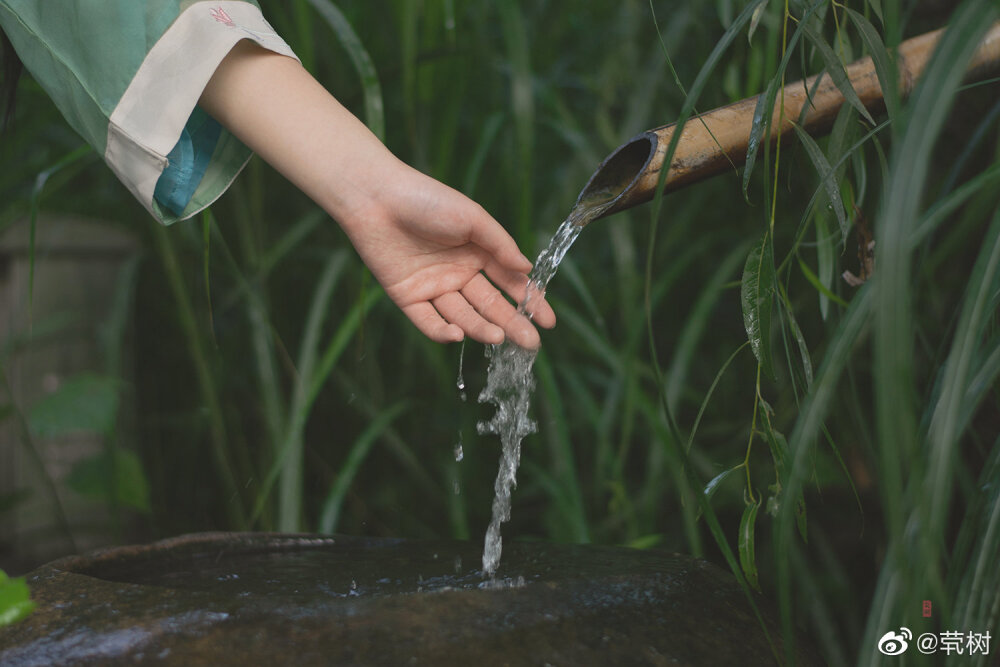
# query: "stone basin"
x,y
264,599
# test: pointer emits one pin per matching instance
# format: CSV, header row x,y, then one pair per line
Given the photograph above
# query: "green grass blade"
x,y
824,261
979,589
562,445
291,452
820,287
522,100
487,137
802,444
698,321
910,564
330,514
947,421
708,396
374,106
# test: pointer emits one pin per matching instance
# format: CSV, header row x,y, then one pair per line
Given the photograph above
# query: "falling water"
x,y
460,381
509,381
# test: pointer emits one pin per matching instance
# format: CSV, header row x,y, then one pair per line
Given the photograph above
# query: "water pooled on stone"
x,y
510,382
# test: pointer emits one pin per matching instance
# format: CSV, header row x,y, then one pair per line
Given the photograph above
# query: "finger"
x,y
515,284
456,309
431,324
488,300
490,235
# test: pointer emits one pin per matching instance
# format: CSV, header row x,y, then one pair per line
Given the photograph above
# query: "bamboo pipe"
x,y
714,141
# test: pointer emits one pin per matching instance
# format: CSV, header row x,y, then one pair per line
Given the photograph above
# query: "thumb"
x,y
490,235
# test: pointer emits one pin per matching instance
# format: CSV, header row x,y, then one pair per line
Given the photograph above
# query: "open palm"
x,y
441,258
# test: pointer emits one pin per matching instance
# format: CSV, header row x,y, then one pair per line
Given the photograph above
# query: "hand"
x,y
430,246
432,249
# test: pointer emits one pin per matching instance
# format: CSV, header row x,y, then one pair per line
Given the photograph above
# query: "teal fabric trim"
x,y
187,162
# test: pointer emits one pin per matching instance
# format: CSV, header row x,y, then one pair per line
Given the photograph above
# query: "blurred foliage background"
x,y
248,374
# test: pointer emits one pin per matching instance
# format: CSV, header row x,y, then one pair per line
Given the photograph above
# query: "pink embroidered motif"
x,y
220,15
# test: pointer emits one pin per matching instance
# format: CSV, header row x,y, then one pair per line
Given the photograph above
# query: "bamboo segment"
x,y
715,141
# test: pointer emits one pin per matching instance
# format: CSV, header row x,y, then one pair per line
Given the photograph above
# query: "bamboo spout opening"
x,y
617,176
718,140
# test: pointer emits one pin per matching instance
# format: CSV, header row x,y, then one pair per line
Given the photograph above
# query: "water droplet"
x,y
459,452
457,487
460,382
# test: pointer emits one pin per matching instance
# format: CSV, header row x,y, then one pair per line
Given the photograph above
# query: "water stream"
x,y
510,382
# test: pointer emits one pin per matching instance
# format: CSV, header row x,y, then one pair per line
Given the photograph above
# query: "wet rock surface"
x,y
249,599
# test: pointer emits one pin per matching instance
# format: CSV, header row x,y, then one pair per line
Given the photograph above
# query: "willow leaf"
x,y
827,177
835,69
884,70
748,558
756,295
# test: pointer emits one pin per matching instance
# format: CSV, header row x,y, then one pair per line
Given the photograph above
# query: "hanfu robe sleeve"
x,y
127,75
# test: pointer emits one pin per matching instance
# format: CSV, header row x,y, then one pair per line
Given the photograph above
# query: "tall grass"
x,y
842,456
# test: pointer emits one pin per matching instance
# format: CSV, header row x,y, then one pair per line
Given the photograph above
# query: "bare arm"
x,y
427,244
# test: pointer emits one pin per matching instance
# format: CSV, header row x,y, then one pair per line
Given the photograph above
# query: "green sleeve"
x,y
127,75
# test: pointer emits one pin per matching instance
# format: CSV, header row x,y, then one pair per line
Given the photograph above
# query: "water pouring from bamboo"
x,y
709,144
718,140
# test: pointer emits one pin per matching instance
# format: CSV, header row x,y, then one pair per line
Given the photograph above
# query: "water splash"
x,y
510,382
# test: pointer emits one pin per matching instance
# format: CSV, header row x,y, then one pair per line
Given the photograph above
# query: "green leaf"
x,y
758,12
820,287
779,449
113,476
748,559
835,69
15,599
363,64
876,6
349,469
713,485
759,127
756,295
646,541
800,340
782,458
85,402
763,112
827,177
884,70
824,261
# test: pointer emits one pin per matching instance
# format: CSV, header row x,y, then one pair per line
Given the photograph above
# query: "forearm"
x,y
433,249
284,115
